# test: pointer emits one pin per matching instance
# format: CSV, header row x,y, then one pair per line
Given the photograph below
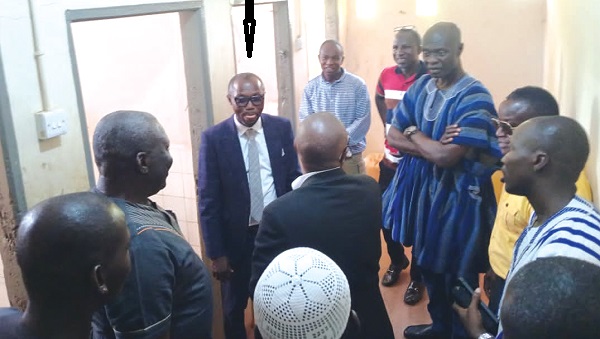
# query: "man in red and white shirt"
x,y
393,82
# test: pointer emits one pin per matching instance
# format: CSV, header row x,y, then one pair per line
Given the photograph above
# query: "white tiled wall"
x,y
180,193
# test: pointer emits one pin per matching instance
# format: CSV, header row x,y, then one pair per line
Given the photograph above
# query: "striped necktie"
x,y
254,181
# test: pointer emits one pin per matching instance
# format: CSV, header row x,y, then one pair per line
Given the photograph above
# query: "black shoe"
x,y
393,273
414,293
421,331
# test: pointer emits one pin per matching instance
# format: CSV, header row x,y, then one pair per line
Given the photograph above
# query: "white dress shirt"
x,y
297,183
266,175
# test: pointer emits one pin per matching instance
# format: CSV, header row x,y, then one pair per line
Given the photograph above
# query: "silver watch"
x,y
486,336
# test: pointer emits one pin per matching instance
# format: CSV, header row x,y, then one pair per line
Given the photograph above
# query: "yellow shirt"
x,y
511,219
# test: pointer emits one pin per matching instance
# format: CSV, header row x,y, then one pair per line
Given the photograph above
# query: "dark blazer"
x,y
224,194
339,215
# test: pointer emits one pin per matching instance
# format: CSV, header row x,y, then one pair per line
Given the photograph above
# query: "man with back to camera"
x,y
73,252
245,162
391,87
168,293
514,210
343,94
545,159
563,304
441,200
332,212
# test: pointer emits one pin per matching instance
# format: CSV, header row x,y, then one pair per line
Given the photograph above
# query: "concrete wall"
x,y
504,43
58,165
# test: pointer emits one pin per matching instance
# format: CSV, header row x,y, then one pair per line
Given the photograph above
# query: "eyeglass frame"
x,y
505,125
255,99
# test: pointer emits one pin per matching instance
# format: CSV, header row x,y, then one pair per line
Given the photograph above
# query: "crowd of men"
x,y
293,223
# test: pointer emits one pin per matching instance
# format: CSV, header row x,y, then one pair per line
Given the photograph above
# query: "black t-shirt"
x,y
10,325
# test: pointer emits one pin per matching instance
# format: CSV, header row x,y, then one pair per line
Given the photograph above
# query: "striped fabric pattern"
x,y
347,98
446,214
572,232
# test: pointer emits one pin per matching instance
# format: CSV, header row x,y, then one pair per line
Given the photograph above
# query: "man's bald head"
x,y
320,142
442,48
62,240
244,77
119,136
448,30
562,139
333,43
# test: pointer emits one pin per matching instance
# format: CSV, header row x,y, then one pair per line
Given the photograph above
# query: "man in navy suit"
x,y
245,162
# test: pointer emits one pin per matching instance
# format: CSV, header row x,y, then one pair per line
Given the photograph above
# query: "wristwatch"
x,y
409,131
486,336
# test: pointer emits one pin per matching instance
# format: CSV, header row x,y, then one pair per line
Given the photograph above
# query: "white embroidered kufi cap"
x,y
302,294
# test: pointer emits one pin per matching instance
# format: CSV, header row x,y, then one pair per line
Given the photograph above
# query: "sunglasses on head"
x,y
405,28
242,101
505,126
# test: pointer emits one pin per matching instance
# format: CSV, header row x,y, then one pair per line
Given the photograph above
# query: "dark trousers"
x,y
235,293
496,289
446,322
396,252
395,249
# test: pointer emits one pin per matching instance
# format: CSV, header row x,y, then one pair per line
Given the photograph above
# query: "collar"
x,y
420,71
301,179
449,93
241,129
338,80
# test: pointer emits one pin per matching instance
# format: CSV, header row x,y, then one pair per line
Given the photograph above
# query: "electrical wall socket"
x,y
51,124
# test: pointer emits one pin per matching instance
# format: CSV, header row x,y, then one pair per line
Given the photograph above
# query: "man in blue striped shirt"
x,y
343,94
544,161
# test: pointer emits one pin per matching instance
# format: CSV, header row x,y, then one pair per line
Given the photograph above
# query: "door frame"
x,y
284,64
195,58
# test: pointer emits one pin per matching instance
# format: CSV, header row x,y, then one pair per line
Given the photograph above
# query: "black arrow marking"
x,y
249,25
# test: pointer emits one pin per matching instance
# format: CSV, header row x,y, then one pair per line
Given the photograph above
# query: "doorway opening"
x,y
148,58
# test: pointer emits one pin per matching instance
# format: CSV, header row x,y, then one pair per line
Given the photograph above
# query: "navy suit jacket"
x,y
224,194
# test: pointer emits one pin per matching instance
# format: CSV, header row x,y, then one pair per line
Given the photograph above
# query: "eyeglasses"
x,y
506,127
405,28
243,101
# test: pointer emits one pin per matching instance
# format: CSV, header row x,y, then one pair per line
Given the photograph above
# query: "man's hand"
x,y
451,132
489,277
470,317
221,269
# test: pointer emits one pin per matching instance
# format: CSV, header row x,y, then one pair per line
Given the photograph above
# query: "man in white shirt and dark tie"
x,y
245,162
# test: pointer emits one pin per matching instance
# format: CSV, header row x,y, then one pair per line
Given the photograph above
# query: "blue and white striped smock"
x,y
572,232
446,214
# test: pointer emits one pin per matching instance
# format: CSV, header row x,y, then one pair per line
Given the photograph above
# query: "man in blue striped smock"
x,y
343,94
441,200
546,156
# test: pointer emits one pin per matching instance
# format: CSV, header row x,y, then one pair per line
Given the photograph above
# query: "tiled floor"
x,y
400,314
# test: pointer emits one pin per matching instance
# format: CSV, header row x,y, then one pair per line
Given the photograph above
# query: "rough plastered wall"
x,y
572,70
12,290
58,165
503,39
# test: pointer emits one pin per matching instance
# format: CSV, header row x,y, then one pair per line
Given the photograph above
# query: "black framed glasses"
x,y
242,101
506,127
405,28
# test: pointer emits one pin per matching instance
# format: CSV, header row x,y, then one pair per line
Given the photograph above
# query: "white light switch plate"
x,y
51,124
